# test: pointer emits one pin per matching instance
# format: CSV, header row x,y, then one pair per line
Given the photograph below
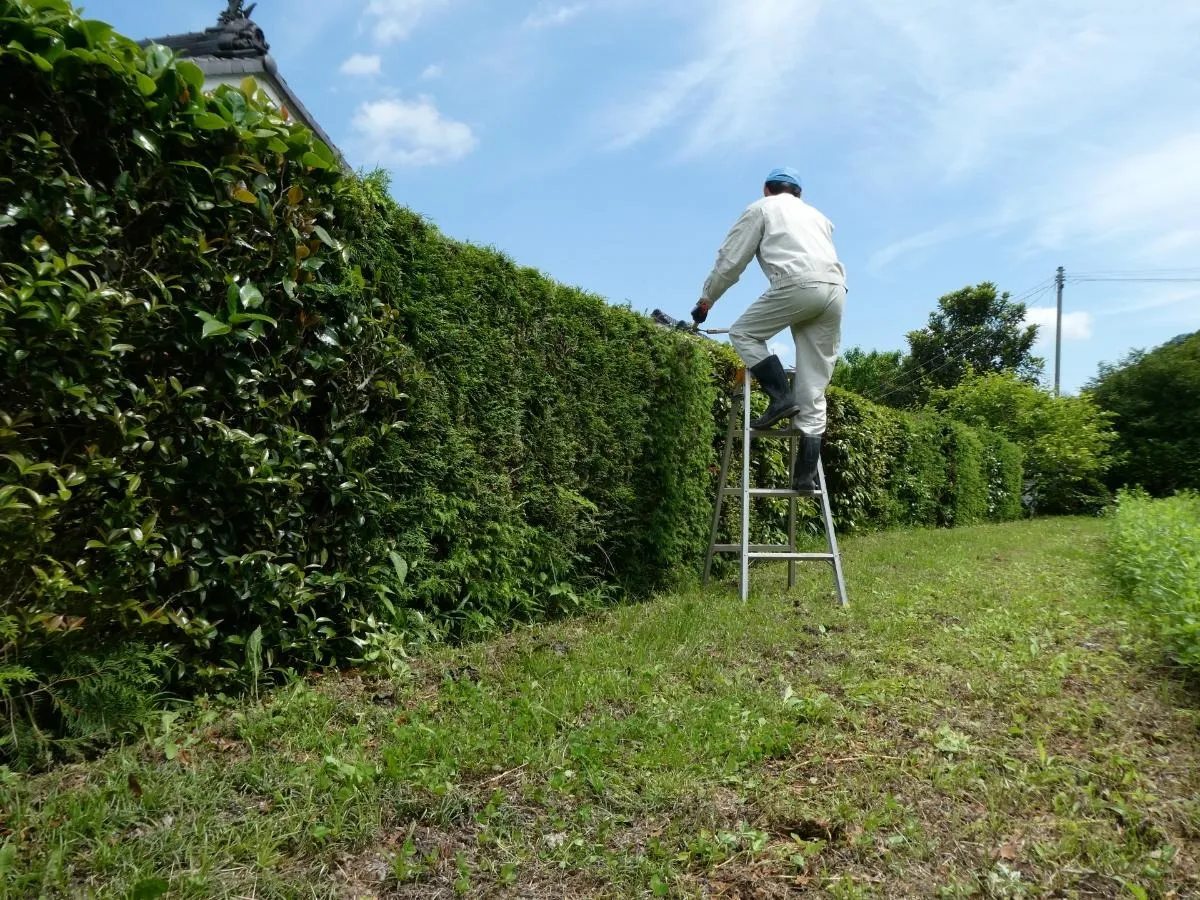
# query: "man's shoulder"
x,y
816,213
757,206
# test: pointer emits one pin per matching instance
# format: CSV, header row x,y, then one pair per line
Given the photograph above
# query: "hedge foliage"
x,y
1155,560
1065,441
253,412
254,415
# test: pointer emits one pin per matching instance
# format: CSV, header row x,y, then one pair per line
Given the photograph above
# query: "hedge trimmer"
x,y
679,325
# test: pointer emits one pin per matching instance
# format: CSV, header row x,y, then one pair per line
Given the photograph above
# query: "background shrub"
x,y
1064,441
1154,400
1154,557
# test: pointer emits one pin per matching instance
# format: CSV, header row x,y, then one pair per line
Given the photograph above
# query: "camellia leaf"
x,y
294,195
322,150
244,196
146,84
251,296
191,74
144,141
95,32
239,318
212,325
325,238
209,121
157,57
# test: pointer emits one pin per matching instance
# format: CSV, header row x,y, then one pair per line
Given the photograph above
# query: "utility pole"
x,y
1058,281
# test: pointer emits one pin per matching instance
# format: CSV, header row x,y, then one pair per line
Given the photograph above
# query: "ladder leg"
x,y
793,450
745,552
827,513
726,453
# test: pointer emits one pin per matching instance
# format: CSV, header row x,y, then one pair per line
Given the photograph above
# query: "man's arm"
x,y
735,254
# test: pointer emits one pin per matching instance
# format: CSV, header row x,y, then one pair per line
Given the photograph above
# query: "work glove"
x,y
700,313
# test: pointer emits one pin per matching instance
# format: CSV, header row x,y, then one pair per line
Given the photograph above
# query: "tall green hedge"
x,y
255,415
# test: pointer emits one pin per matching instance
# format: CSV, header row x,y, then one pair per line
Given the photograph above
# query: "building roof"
x,y
237,46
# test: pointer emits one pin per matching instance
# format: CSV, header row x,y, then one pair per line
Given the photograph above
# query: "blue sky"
x,y
611,143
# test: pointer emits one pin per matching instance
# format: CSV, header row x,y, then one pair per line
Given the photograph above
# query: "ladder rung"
x,y
754,548
756,433
825,556
770,492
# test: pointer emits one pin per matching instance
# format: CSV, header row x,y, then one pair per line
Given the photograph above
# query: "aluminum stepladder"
x,y
740,410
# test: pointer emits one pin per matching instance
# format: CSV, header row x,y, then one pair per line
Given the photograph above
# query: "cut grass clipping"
x,y
981,722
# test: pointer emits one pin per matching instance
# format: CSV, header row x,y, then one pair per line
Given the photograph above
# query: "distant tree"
x,y
1066,440
1155,401
977,330
873,374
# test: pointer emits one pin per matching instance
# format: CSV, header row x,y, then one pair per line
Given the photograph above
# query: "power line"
x,y
1183,270
1129,279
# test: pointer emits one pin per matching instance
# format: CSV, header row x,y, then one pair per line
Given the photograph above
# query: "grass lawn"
x,y
983,721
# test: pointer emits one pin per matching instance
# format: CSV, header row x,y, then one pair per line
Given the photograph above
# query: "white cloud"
x,y
411,133
733,88
934,91
1157,298
914,246
1076,326
430,72
390,21
551,14
1148,193
1137,200
360,64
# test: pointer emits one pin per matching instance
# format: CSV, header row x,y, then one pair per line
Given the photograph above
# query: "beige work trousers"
x,y
813,310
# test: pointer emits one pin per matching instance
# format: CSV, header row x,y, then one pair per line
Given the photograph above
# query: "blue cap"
x,y
786,174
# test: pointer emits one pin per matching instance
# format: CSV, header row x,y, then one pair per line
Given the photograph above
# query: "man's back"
x,y
797,242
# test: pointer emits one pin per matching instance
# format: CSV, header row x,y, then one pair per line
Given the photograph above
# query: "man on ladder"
x,y
794,245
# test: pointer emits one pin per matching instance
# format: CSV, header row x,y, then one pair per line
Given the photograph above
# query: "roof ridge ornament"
x,y
236,12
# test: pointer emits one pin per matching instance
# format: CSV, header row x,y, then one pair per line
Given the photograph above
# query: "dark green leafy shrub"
x,y
248,399
859,455
1154,400
176,391
1154,558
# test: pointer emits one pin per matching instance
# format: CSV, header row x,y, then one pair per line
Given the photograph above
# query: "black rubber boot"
x,y
804,475
775,382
